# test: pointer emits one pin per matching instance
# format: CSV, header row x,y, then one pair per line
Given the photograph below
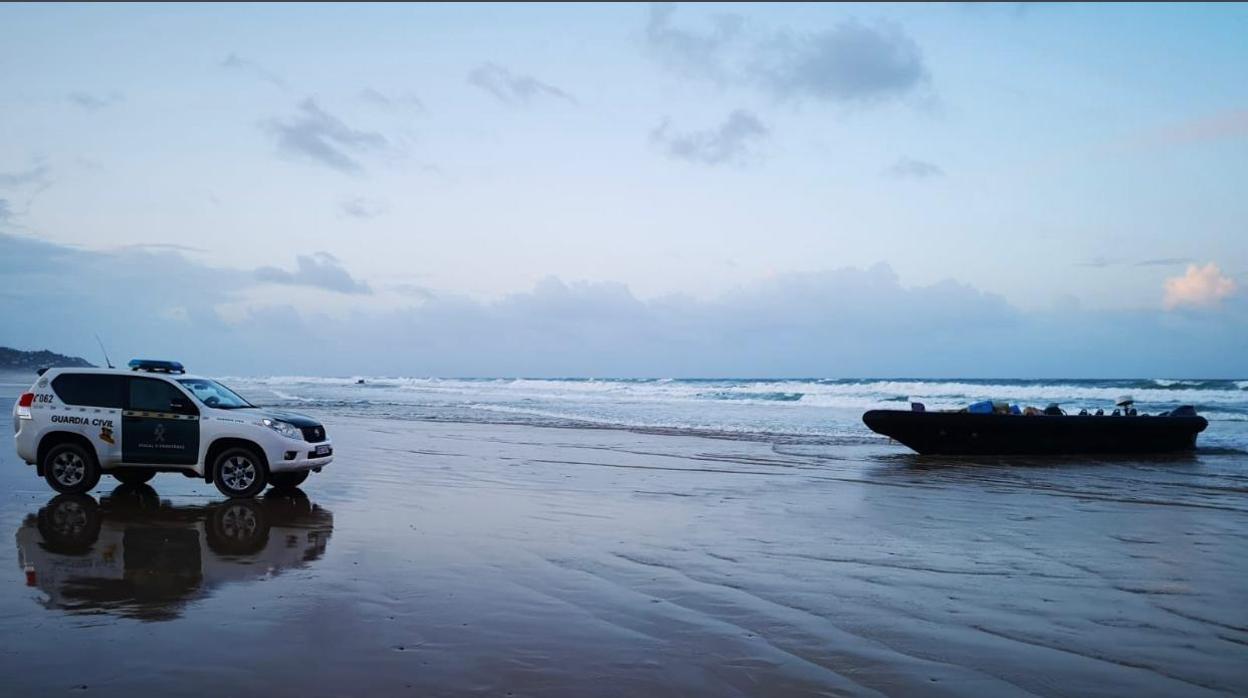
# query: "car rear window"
x,y
89,389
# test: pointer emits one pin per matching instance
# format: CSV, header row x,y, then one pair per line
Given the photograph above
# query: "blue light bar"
x,y
156,366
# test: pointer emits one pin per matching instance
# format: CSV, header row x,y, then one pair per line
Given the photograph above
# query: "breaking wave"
x,y
812,406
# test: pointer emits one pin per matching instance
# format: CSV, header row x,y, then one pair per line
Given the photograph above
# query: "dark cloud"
x,y
319,136
74,291
909,168
361,208
243,65
839,322
403,101
318,270
513,89
733,142
92,102
853,62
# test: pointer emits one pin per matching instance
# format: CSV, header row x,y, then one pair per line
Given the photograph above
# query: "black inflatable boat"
x,y
964,433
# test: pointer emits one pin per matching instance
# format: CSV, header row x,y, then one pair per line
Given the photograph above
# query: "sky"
x,y
630,189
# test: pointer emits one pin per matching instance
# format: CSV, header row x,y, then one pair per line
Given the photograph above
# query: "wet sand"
x,y
444,558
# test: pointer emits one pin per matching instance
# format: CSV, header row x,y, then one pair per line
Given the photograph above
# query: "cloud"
x,y
688,52
1225,125
1098,263
909,168
836,322
240,64
37,175
851,63
318,270
732,142
361,208
513,89
26,184
92,102
316,135
413,291
1164,262
380,99
161,247
1199,287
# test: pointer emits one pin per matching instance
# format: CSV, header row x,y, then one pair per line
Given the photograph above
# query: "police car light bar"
x,y
156,366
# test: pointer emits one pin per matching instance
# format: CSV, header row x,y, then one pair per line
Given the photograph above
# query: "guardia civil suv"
x,y
77,424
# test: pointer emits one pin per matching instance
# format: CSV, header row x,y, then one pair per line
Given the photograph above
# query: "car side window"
x,y
155,395
89,389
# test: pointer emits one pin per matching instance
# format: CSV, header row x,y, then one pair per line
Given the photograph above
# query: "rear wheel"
x,y
288,480
70,524
240,472
71,469
133,476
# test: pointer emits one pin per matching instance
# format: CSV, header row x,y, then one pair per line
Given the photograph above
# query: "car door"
x,y
159,425
92,405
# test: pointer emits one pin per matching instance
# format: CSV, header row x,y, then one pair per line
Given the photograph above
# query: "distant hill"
x,y
18,360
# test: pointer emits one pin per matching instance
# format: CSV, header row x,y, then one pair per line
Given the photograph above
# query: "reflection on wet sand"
x,y
477,559
136,556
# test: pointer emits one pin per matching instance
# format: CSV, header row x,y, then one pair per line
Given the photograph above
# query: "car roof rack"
x,y
156,366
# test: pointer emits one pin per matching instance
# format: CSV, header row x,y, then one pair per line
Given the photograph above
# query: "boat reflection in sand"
x,y
135,556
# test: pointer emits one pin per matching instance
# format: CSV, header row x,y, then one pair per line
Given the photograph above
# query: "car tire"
x,y
133,476
288,480
71,468
237,528
70,524
240,473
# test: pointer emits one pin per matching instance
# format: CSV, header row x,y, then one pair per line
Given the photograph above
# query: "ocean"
x,y
820,410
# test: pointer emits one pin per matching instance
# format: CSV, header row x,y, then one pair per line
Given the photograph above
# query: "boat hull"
x,y
963,433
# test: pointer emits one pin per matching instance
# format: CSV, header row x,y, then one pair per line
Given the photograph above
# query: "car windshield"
x,y
213,394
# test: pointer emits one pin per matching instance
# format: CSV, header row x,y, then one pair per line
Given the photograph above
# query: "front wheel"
x,y
71,469
239,473
288,480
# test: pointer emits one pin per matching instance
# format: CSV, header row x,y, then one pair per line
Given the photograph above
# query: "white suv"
x,y
76,424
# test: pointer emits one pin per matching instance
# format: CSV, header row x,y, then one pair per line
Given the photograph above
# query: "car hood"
x,y
294,418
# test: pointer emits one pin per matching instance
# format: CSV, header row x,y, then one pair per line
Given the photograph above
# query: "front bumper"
x,y
301,455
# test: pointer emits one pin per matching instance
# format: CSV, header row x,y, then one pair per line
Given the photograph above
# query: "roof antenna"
x,y
101,343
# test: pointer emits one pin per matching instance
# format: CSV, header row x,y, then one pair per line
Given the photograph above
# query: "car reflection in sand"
x,y
135,556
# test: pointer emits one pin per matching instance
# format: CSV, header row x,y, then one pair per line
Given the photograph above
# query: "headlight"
x,y
286,429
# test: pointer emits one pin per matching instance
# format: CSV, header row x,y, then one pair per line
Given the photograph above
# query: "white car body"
x,y
182,441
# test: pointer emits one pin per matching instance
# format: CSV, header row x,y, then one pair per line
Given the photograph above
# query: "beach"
x,y
441,557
